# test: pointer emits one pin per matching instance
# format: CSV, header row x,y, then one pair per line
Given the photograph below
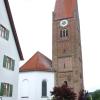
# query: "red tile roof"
x,y
37,62
64,9
13,29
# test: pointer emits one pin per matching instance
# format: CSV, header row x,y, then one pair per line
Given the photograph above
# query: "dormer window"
x,y
63,33
4,33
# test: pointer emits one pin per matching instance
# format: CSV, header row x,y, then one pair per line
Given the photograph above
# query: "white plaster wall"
x,y
8,48
35,84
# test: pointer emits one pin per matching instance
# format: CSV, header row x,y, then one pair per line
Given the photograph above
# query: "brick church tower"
x,y
66,53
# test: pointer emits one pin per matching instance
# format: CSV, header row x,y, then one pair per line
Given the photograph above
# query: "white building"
x,y
36,78
10,54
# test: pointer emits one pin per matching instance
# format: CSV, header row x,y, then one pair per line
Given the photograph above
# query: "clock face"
x,y
63,23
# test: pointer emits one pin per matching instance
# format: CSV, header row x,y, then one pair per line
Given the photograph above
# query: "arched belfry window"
x,y
63,33
44,88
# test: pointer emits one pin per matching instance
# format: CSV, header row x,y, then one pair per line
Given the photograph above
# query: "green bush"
x,y
89,97
96,95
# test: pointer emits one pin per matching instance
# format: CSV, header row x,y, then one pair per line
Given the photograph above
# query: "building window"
x,y
25,88
80,75
4,33
69,77
64,66
44,88
63,33
8,63
6,89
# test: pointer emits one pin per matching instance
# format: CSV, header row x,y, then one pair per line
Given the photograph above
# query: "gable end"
x,y
13,29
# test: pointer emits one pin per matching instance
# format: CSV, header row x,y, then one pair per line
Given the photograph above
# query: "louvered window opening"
x,y
63,33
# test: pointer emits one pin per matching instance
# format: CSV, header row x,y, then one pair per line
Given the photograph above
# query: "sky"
x,y
33,22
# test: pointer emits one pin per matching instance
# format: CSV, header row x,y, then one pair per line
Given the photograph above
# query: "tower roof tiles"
x,y
64,9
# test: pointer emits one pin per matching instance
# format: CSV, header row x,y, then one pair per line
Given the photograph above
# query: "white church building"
x,y
36,78
10,54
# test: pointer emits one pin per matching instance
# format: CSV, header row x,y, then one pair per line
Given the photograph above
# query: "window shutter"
x,y
4,61
11,90
13,64
2,89
7,35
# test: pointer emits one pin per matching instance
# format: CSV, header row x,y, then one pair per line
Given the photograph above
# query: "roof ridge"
x,y
37,62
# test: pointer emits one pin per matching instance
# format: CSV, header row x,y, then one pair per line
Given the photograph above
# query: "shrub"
x,y
63,93
96,95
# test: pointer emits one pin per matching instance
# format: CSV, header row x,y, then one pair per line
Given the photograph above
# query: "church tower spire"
x,y
66,52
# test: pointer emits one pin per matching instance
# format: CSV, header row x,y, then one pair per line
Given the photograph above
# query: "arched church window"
x,y
44,88
63,33
25,88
